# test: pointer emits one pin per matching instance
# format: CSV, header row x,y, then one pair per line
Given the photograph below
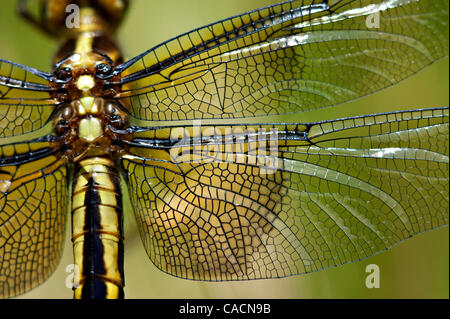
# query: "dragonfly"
x,y
220,192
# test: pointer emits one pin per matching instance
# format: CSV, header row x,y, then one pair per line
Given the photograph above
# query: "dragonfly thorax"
x,y
89,127
89,120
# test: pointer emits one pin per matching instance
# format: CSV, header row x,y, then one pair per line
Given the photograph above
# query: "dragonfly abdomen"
x,y
97,229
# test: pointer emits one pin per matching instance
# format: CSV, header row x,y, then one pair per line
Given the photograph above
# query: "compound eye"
x,y
103,70
64,74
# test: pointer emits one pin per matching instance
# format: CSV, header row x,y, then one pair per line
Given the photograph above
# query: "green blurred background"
x,y
416,268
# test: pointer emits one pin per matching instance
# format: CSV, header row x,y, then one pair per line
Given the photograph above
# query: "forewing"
x,y
33,190
267,201
25,101
291,57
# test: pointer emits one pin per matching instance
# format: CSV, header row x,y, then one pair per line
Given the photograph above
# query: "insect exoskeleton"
x,y
90,125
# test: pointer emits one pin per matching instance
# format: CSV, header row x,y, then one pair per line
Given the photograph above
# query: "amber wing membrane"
x,y
33,190
25,102
290,57
267,201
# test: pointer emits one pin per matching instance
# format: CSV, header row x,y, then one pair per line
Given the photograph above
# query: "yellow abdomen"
x,y
97,229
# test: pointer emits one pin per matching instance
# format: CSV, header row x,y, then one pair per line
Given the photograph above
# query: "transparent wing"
x,y
266,201
25,102
33,190
290,57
